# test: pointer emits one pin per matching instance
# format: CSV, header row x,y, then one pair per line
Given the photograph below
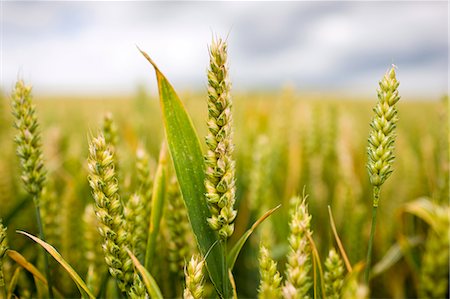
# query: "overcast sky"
x,y
88,47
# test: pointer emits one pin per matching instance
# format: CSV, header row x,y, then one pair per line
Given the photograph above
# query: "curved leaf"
x,y
234,252
187,158
158,195
84,290
150,283
22,261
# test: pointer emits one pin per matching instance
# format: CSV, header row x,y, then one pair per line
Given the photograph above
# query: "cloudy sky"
x,y
89,47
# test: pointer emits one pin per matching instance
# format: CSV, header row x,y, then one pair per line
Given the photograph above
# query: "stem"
x,y
42,237
225,269
376,197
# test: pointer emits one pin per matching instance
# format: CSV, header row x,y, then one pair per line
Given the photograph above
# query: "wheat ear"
x,y
381,147
220,172
109,210
194,279
270,284
334,275
29,151
298,282
137,224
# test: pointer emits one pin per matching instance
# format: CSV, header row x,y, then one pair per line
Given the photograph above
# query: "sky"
x,y
90,47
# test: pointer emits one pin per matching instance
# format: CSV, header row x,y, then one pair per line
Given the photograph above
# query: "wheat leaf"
x,y
84,290
187,157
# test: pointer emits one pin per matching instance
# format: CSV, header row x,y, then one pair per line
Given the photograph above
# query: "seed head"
x,y
110,212
194,279
299,258
382,134
334,275
220,172
137,224
28,140
270,284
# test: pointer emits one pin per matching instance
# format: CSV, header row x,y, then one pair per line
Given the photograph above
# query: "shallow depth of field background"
x,y
305,76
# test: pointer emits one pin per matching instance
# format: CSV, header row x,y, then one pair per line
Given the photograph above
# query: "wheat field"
x,y
116,186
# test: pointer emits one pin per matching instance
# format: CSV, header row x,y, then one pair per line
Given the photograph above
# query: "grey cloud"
x,y
310,44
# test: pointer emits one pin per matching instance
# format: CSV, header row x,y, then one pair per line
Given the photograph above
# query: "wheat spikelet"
x,y
220,172
298,282
109,130
137,224
194,279
334,275
270,283
382,134
28,140
109,210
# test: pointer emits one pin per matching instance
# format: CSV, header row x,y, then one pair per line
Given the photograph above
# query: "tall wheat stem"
x,y
376,196
46,263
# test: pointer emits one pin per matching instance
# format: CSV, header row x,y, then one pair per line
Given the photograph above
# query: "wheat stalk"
x,y
381,146
29,151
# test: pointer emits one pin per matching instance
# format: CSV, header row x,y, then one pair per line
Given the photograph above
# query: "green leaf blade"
x,y
158,195
84,290
234,252
150,283
187,157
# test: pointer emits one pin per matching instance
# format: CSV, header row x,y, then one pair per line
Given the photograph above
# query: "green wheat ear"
x,y
220,172
110,212
299,264
334,275
270,284
382,134
194,279
29,151
28,140
381,147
